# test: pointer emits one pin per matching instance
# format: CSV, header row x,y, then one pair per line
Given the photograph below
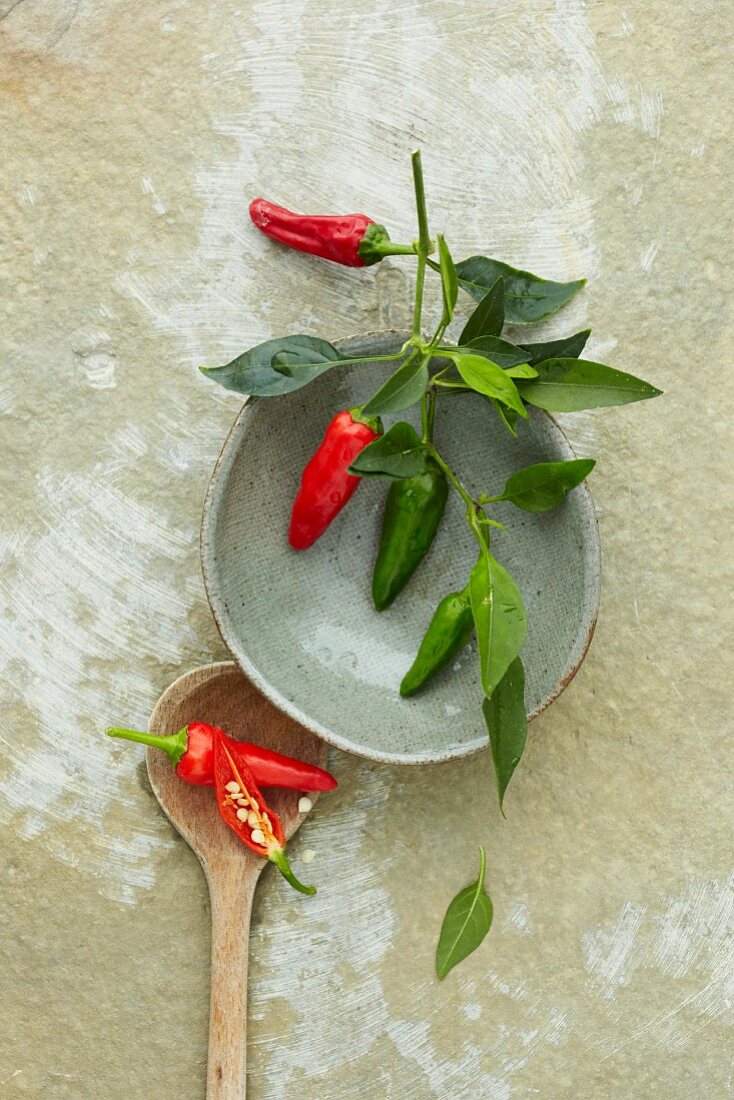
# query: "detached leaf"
x,y
488,378
467,921
402,389
543,486
528,298
499,618
449,279
567,385
570,347
489,316
507,724
398,453
501,352
277,366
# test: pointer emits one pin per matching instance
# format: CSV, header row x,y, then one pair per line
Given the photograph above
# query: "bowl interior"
x,y
302,625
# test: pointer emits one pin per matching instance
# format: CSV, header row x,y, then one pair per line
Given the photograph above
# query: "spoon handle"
x,y
231,887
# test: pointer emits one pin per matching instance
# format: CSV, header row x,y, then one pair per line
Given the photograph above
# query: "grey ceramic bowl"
x,y
302,626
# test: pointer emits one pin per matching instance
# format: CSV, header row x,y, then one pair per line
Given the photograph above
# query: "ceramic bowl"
x,y
301,624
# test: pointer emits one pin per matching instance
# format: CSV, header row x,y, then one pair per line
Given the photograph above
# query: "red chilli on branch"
x,y
353,240
326,484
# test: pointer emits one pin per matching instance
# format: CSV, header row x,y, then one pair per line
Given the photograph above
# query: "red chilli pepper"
x,y
191,751
326,484
245,811
350,239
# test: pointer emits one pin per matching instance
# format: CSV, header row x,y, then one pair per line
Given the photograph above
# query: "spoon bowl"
x,y
222,696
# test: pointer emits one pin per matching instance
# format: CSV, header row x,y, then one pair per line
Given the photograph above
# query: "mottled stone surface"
x,y
568,137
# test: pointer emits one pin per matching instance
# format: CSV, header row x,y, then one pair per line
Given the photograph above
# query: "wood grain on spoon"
x,y
220,695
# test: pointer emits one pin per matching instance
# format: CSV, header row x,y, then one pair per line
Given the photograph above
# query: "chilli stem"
x,y
174,744
473,509
278,857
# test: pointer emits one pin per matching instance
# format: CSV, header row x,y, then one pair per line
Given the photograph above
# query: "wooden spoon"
x,y
221,695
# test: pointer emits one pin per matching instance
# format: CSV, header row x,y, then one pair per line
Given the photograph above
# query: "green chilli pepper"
x,y
413,512
448,632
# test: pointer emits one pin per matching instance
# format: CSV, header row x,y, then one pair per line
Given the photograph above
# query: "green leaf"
x,y
522,370
398,453
507,416
567,385
488,378
402,389
276,366
449,279
501,352
489,316
528,298
570,347
543,486
467,921
507,725
499,618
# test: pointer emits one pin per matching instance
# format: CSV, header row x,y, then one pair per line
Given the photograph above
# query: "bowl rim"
x,y
212,499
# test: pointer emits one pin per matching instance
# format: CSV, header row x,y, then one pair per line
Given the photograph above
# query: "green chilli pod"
x,y
413,511
448,632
